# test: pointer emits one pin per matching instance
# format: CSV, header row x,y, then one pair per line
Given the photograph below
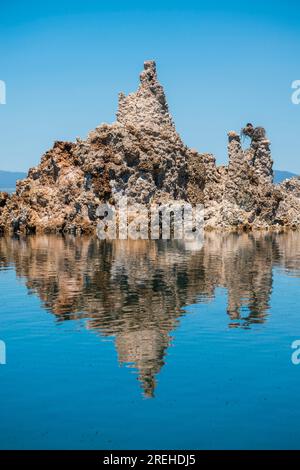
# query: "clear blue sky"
x,y
222,64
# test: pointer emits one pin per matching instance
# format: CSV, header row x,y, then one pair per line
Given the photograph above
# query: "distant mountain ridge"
x,y
280,176
8,179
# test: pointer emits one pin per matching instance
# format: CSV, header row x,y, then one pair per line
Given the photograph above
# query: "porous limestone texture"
x,y
141,156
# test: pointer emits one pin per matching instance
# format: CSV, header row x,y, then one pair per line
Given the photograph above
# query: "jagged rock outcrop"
x,y
249,197
288,211
141,156
147,108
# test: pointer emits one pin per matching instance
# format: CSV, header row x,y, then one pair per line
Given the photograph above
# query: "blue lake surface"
x,y
150,344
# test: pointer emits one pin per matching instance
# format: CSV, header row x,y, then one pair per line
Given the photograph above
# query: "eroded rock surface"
x,y
141,156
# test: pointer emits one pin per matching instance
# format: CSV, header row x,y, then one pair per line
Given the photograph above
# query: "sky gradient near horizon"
x,y
222,64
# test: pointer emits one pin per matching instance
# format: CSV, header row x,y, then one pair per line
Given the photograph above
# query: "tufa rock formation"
x,y
142,157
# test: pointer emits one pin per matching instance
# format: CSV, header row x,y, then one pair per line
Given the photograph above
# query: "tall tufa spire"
x,y
147,107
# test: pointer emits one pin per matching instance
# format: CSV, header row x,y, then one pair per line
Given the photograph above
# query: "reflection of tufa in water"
x,y
136,291
145,349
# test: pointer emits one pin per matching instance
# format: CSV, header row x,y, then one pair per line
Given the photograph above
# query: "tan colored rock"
x,y
141,156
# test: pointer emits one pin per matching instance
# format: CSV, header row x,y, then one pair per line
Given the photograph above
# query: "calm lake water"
x,y
150,345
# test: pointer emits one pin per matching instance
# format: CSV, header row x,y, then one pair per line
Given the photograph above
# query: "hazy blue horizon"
x,y
222,65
